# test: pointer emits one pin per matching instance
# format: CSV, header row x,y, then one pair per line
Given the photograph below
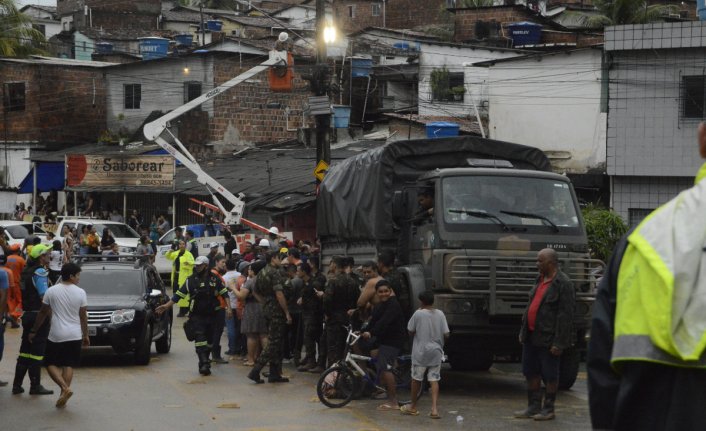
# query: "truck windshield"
x,y
119,230
508,200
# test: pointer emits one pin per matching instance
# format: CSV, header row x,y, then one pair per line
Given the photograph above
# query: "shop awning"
x,y
50,176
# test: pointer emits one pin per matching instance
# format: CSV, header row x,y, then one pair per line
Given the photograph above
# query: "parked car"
x,y
124,235
203,236
122,298
17,231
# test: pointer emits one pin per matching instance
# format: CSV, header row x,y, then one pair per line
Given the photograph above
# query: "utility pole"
x,y
320,87
203,30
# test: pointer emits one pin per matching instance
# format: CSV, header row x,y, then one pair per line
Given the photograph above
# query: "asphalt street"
x,y
112,394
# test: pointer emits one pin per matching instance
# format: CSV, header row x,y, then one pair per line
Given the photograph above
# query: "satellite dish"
x,y
283,37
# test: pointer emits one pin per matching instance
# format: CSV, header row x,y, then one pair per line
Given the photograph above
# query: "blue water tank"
x,y
525,33
341,116
441,129
153,47
184,39
701,9
104,48
214,25
360,67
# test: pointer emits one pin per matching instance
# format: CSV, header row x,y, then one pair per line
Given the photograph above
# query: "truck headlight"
x,y
122,316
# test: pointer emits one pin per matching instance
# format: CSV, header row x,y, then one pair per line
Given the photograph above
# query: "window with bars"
x,y
133,95
693,97
376,9
636,215
13,96
192,90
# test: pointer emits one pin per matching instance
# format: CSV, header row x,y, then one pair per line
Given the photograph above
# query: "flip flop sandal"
x,y
387,407
405,410
434,416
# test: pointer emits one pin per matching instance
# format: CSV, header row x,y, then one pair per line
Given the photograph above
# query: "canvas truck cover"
x,y
355,197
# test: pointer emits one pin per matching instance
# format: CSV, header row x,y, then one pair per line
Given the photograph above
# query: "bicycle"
x,y
345,379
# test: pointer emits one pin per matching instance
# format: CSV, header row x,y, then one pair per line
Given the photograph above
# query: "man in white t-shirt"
x,y
430,330
66,303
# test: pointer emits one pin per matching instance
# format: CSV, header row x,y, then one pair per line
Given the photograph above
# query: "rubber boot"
x,y
20,372
534,405
547,412
204,363
254,374
307,365
35,376
275,375
216,355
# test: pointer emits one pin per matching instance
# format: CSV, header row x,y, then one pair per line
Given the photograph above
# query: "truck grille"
x,y
511,276
99,317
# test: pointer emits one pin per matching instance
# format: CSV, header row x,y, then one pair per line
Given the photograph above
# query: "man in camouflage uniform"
x,y
387,270
340,295
270,286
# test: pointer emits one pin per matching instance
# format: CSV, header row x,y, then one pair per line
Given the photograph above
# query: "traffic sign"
x,y
320,170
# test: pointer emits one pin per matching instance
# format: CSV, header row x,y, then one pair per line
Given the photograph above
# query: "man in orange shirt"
x,y
16,264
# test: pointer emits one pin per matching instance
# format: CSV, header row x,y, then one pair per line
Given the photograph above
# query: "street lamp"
x,y
329,34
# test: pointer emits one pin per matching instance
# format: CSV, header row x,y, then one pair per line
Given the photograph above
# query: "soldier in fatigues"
x,y
341,295
269,285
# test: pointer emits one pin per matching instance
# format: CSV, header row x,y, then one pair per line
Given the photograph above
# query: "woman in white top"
x,y
57,258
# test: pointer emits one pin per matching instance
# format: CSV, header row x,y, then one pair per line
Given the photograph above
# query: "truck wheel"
x,y
142,352
569,368
164,344
471,361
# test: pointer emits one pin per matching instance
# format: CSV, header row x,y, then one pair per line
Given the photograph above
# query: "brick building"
x,y
52,101
355,15
109,14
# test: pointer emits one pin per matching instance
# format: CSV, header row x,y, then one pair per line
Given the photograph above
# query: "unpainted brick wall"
x,y
245,106
465,23
415,13
62,104
363,15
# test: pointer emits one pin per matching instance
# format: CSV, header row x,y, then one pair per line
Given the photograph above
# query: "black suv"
x,y
122,297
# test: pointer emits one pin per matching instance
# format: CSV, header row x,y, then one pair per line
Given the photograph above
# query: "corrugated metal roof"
x,y
54,61
277,180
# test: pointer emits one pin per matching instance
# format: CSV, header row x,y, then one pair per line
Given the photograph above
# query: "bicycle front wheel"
x,y
336,386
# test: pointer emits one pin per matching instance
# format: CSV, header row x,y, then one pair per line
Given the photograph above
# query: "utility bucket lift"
x,y
157,129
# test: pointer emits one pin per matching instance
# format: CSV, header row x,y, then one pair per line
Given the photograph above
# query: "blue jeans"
x,y
235,344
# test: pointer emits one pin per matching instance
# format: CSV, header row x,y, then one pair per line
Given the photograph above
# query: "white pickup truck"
x,y
125,236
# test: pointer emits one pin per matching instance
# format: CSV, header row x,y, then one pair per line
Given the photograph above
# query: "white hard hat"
x,y
274,230
214,245
264,243
201,260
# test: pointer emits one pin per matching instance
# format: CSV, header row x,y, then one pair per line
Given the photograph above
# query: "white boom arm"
x,y
153,132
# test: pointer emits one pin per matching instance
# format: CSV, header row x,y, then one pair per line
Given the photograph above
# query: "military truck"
x,y
495,205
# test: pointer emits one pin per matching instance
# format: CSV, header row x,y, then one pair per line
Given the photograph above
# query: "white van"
x,y
203,236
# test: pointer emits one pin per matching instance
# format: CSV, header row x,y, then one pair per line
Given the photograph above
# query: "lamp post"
x,y
325,34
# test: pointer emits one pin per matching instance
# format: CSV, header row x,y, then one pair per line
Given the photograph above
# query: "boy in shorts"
x,y
429,328
66,303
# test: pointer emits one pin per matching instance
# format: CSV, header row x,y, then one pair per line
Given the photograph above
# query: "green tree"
x,y
17,36
620,12
604,228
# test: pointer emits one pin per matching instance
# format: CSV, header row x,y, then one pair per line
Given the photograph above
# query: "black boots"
x,y
204,363
276,375
20,371
534,405
36,388
254,375
547,412
216,355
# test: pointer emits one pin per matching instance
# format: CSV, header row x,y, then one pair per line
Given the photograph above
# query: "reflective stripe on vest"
x,y
701,174
661,300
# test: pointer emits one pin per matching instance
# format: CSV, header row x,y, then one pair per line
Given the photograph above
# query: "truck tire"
x,y
144,346
471,361
569,368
